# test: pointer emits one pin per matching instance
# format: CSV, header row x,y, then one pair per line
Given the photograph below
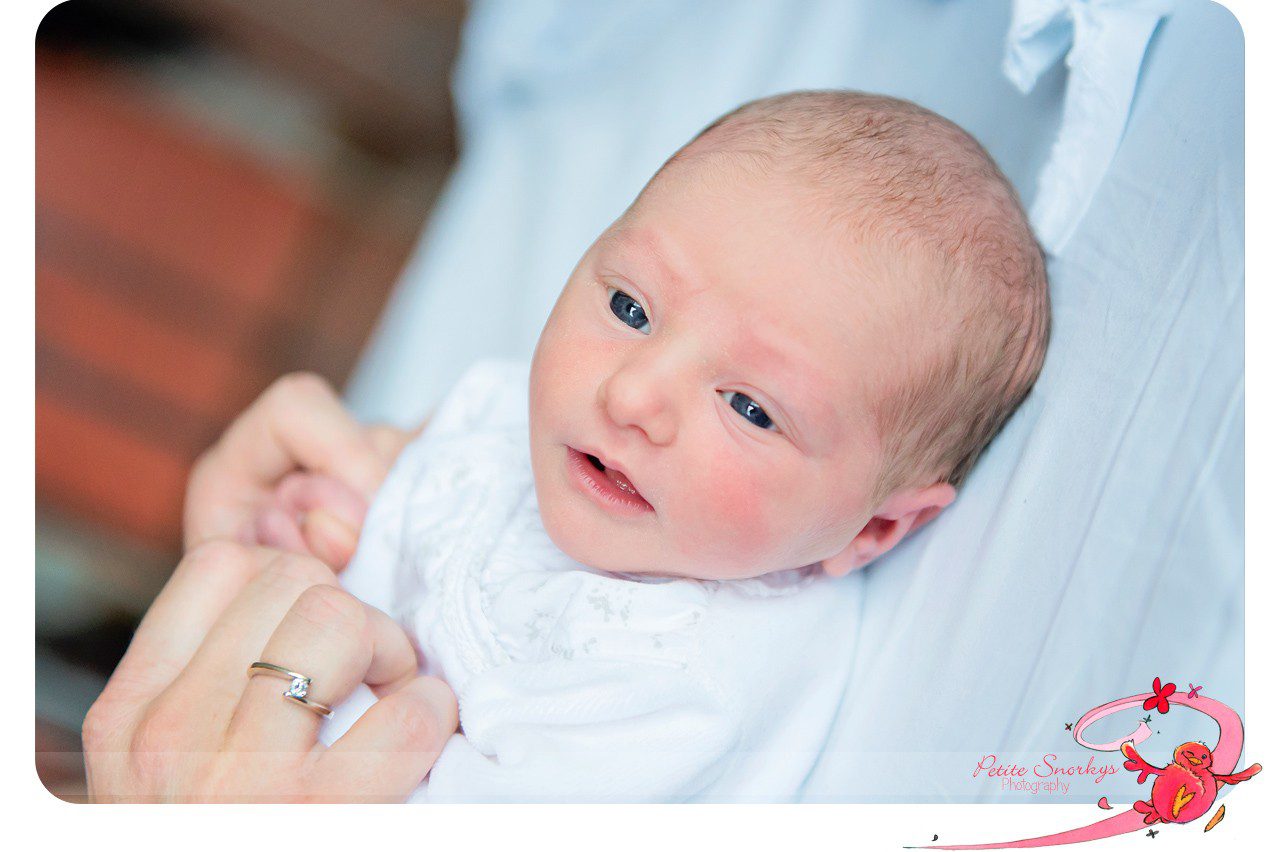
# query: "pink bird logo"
x,y
1185,788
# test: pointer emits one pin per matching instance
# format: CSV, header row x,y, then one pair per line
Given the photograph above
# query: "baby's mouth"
x,y
609,487
618,477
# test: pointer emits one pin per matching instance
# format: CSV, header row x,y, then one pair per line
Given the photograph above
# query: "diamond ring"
x,y
299,686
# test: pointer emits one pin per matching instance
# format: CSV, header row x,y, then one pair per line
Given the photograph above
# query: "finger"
x,y
388,441
389,749
219,506
214,681
315,514
300,493
277,528
203,585
329,539
300,422
331,515
337,641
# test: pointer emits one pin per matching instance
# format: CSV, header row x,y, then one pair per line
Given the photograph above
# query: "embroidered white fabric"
x,y
576,684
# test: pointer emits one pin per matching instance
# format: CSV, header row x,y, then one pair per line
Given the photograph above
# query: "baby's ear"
x,y
902,512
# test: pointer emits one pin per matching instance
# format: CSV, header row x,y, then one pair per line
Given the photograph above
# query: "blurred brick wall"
x,y
163,275
176,276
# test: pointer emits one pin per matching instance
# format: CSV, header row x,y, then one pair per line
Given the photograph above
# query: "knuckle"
x,y
384,435
386,441
98,725
299,385
156,739
382,432
200,468
218,555
297,570
333,608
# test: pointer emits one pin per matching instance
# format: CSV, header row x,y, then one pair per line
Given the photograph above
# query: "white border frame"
x,y
617,828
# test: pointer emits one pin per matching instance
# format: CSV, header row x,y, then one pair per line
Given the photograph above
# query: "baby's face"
x,y
708,347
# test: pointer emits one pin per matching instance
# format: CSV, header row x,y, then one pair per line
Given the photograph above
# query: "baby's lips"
x,y
620,479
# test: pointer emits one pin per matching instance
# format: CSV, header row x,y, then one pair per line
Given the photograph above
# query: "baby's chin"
x,y
567,531
566,528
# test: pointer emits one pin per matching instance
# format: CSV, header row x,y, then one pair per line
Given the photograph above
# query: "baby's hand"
x,y
312,513
295,471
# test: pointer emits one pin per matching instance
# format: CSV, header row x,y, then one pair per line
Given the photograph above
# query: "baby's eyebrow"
x,y
648,244
816,417
813,413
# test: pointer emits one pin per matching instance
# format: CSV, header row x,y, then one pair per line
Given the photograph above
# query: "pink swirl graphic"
x,y
1139,734
1226,754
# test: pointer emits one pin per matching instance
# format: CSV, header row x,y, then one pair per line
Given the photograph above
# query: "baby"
x,y
784,357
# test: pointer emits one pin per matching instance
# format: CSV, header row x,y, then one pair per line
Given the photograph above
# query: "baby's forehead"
x,y
766,244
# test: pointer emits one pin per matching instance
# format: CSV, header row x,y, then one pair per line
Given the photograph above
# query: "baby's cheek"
x,y
735,520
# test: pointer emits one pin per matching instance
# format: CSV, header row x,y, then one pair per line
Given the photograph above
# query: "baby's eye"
x,y
628,310
748,408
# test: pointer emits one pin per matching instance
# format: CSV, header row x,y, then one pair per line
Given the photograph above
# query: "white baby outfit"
x,y
575,684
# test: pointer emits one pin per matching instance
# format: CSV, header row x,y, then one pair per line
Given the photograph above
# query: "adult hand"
x,y
295,471
180,720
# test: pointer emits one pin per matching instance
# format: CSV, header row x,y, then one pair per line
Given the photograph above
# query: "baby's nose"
x,y
631,399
